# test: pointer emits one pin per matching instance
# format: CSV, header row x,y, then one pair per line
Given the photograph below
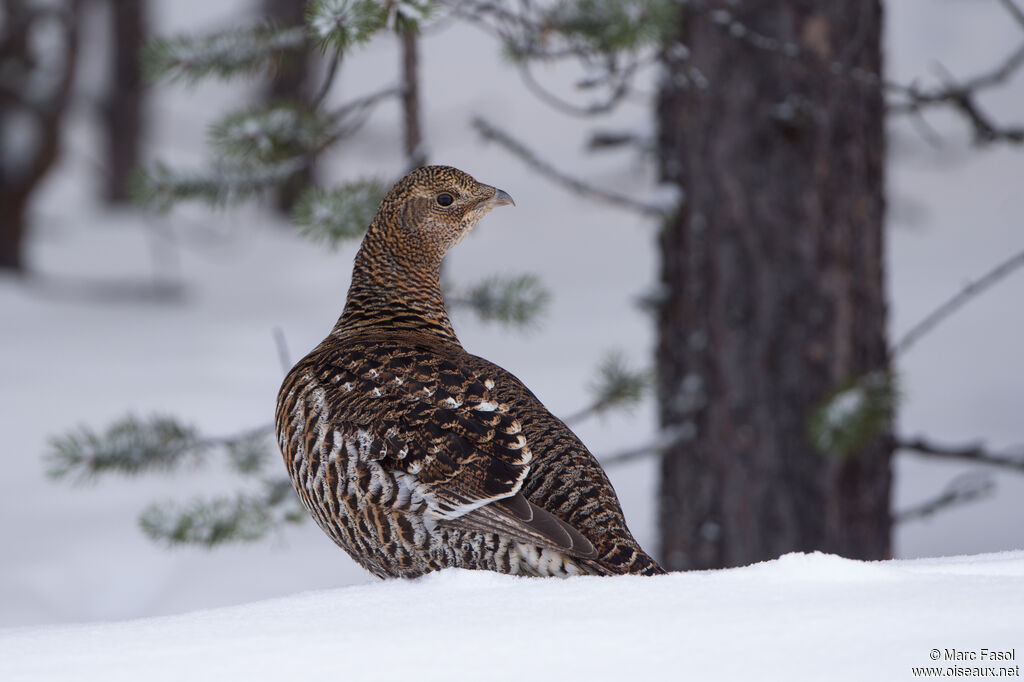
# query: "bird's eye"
x,y
445,199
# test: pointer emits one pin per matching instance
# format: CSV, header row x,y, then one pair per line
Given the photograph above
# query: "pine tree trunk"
x,y
124,103
772,278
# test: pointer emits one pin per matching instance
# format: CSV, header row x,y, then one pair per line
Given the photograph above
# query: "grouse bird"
x,y
415,455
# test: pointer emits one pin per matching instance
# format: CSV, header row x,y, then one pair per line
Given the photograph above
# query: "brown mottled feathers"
x,y
414,455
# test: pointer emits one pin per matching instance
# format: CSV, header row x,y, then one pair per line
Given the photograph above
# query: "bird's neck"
x,y
392,293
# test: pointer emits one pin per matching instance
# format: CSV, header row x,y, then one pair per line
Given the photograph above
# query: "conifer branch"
x,y
518,300
269,134
133,445
246,517
340,214
226,183
224,54
344,23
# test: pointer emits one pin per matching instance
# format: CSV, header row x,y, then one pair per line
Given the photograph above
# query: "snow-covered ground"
x,y
801,617
71,554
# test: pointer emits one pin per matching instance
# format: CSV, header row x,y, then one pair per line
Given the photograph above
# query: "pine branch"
x,y
965,488
517,300
617,387
246,517
957,301
224,54
340,214
971,453
133,445
490,132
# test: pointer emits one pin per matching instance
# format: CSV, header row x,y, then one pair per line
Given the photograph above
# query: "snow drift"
x,y
801,617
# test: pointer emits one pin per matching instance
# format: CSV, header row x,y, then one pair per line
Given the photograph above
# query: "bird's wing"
x,y
443,430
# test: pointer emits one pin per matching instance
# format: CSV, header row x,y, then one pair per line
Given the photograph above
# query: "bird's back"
x,y
399,445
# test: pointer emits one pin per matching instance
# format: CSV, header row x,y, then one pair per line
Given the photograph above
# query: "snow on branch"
x,y
268,134
492,133
343,23
971,453
224,54
858,411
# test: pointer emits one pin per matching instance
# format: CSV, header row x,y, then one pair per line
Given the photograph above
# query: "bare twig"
x,y
490,132
950,306
972,453
1014,11
617,94
961,490
325,87
283,356
962,96
354,113
666,439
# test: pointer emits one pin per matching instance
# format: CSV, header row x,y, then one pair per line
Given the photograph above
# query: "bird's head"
x,y
433,208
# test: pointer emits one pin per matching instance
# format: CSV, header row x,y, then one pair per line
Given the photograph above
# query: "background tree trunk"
x,y
35,89
290,83
123,109
773,281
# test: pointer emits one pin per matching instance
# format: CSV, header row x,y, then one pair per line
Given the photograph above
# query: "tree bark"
x,y
123,108
772,273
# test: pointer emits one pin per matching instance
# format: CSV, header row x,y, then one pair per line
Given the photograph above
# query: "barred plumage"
x,y
414,455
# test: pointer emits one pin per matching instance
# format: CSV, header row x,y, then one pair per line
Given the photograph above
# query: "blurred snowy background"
x,y
68,358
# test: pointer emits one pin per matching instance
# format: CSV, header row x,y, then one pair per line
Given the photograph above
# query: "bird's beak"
x,y
500,198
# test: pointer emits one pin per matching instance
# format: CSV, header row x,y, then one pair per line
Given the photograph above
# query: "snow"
x,y
801,617
69,356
